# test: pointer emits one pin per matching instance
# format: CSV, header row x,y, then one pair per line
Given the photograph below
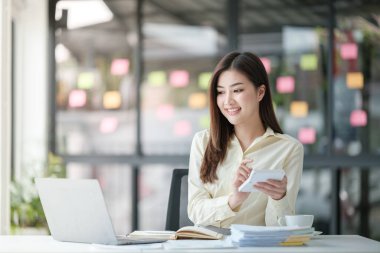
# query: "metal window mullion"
x,y
335,173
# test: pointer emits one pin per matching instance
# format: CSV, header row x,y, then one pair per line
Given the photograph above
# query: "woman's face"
x,y
237,98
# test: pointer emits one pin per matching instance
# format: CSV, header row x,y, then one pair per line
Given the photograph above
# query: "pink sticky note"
x,y
358,118
307,135
285,84
182,128
108,125
267,64
77,98
179,78
119,67
165,112
349,51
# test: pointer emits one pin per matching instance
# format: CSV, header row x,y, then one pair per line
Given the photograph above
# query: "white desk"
x,y
325,244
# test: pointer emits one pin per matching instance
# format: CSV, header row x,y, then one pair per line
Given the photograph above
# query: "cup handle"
x,y
281,221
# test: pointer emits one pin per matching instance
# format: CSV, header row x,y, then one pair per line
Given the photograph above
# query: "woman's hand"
x,y
275,189
237,198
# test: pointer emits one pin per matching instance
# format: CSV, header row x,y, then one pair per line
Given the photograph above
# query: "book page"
x,y
197,232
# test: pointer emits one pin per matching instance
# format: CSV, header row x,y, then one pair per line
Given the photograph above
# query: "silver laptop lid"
x,y
75,210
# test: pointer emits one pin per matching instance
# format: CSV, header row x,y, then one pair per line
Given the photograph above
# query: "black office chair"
x,y
177,206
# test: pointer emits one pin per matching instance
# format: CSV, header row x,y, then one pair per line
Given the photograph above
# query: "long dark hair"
x,y
221,130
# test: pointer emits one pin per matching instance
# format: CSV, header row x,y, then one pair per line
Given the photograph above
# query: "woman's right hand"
x,y
237,198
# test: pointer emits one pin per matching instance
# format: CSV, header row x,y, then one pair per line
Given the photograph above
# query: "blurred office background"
x,y
116,89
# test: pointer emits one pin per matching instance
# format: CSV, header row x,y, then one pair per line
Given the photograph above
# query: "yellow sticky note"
x,y
112,100
299,109
355,80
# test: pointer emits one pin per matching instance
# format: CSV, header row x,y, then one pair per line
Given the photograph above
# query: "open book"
x,y
188,232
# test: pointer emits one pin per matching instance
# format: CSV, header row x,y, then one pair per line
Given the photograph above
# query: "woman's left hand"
x,y
275,189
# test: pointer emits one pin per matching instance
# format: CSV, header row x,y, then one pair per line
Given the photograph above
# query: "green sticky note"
x,y
309,62
86,80
157,78
204,80
204,121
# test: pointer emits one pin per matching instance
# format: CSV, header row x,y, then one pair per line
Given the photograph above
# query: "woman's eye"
x,y
238,90
220,92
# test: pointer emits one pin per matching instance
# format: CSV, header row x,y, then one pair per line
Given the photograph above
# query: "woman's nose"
x,y
228,99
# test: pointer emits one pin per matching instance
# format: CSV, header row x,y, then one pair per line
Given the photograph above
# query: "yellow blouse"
x,y
208,203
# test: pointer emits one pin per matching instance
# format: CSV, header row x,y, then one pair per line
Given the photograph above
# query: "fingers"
x,y
242,173
274,188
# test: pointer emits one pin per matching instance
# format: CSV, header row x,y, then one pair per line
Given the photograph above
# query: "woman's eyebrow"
x,y
232,85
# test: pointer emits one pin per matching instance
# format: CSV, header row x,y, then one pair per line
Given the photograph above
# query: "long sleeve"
x,y
293,166
203,208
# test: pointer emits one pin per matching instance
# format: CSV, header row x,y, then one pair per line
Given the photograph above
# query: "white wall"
x,y
30,86
5,101
31,28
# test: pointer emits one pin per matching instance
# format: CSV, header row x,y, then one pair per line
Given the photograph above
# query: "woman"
x,y
244,135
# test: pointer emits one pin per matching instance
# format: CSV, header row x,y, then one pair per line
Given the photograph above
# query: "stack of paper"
x,y
260,236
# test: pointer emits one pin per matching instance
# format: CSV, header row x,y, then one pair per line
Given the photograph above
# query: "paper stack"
x,y
261,236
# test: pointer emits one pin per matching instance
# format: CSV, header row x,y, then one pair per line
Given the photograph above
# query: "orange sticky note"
x,y
299,109
198,100
355,80
112,100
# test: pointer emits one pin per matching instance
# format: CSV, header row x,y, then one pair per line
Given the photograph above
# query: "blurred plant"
x,y
26,208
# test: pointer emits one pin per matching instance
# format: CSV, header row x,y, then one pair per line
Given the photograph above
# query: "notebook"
x,y
75,211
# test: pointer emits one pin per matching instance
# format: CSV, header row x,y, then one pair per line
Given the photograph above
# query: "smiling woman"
x,y
244,135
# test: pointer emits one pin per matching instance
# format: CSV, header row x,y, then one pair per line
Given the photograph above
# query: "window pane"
x,y
291,40
357,81
95,91
181,47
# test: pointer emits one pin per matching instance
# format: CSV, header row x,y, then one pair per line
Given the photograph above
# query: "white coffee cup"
x,y
297,220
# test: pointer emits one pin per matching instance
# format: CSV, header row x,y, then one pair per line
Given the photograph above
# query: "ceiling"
x,y
260,22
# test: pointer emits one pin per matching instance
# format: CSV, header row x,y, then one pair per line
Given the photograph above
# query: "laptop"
x,y
75,211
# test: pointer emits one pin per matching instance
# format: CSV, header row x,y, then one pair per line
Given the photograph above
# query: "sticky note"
x,y
309,62
285,84
165,112
86,80
182,128
267,64
349,51
77,98
204,121
179,78
108,125
112,100
120,67
307,135
197,100
355,80
299,109
358,118
157,78
204,80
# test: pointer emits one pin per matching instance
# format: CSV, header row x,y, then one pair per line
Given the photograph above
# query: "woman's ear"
x,y
261,92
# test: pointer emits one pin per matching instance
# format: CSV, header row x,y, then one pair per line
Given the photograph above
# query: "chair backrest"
x,y
177,206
